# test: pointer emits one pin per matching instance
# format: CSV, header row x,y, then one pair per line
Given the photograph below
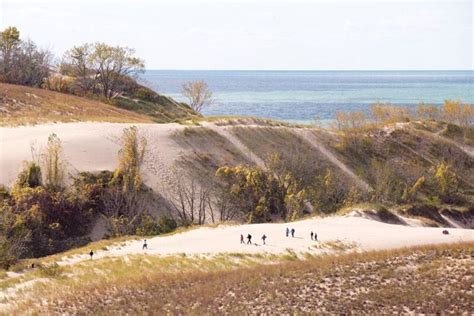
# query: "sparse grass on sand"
x,y
233,120
20,105
428,279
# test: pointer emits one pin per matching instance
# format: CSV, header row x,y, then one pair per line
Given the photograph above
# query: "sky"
x,y
259,34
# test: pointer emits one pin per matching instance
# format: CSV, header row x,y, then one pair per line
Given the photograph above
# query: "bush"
x,y
13,236
145,94
149,226
53,217
30,176
327,194
166,224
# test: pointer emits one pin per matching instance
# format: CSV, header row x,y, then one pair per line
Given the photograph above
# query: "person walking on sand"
x,y
145,246
292,232
249,239
287,232
312,235
242,239
264,237
91,254
315,237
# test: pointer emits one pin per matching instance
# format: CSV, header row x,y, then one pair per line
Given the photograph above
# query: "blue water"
x,y
302,96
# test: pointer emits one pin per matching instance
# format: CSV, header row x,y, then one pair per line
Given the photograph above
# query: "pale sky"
x,y
259,34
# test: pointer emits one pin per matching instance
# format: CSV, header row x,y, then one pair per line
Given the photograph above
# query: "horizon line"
x,y
313,70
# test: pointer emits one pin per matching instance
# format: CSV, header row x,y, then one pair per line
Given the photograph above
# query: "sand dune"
x,y
88,147
94,146
348,233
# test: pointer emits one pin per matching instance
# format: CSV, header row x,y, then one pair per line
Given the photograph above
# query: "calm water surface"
x,y
302,96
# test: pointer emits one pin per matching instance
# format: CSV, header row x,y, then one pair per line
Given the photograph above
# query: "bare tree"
x,y
190,200
221,202
123,210
198,94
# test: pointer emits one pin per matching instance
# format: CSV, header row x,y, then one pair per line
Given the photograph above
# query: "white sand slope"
x,y
356,233
89,147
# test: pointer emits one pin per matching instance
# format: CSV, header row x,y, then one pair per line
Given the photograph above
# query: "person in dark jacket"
x,y
242,239
91,253
264,237
292,232
249,239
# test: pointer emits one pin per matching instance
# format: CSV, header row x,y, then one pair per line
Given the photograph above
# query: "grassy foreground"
x,y
429,279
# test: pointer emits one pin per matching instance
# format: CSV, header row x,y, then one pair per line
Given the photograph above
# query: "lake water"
x,y
302,96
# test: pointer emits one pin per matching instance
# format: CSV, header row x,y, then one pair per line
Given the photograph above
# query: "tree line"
x,y
90,69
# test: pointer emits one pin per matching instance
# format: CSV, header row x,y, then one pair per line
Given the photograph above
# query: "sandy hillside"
x,y
88,147
344,233
93,146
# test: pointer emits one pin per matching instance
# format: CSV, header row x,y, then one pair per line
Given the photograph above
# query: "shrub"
x,y
13,236
445,180
149,226
388,187
53,164
166,224
145,94
131,157
30,176
327,194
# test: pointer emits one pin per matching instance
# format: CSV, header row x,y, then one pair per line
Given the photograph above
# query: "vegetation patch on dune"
x,y
20,105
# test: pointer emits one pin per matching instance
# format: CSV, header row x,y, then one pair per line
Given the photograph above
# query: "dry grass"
x,y
429,279
297,154
234,120
20,105
208,151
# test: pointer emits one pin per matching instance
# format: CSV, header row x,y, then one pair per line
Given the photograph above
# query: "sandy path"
x,y
357,232
311,138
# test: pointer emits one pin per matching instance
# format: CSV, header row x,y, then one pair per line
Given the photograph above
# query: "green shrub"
x,y
149,226
166,224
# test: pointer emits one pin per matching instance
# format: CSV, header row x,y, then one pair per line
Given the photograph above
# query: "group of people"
x,y
314,236
249,239
288,232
